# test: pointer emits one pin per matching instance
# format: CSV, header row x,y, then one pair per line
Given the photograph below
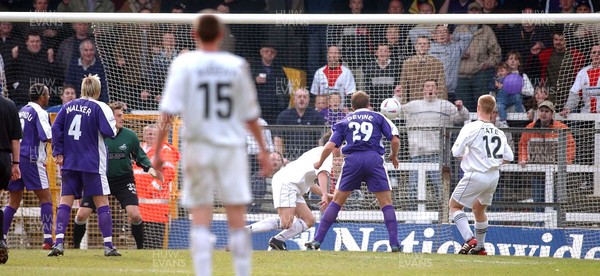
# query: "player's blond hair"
x,y
117,105
90,86
359,100
487,104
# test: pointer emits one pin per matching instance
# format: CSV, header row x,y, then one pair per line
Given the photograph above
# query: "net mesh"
x,y
557,188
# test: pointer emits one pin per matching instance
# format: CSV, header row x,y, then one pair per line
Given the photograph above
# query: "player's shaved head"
x,y
208,28
359,100
36,91
486,104
90,86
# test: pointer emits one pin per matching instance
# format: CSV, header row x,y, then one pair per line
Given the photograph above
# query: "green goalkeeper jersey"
x,y
121,150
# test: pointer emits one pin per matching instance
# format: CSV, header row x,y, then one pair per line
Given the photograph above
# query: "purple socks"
x,y
62,222
327,220
46,218
9,213
105,224
389,217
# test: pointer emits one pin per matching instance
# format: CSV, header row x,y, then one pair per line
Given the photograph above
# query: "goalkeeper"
x,y
121,150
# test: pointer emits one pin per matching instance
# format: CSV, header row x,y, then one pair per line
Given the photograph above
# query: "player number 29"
x,y
361,129
223,102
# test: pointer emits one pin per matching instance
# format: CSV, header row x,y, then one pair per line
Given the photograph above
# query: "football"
x,y
390,108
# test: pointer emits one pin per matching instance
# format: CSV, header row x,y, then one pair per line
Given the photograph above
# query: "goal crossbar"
x,y
284,18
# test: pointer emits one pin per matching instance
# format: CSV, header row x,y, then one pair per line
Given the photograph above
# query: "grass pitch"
x,y
170,262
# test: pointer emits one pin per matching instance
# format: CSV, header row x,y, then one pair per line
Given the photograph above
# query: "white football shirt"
x,y
301,172
482,146
214,93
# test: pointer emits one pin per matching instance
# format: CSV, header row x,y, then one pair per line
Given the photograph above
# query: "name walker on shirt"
x,y
79,108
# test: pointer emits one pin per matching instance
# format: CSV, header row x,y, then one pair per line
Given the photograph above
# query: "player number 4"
x,y
75,127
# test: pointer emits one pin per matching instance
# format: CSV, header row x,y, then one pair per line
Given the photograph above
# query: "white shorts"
x,y
476,185
209,169
285,194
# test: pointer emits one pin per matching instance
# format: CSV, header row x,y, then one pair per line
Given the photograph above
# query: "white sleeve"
x,y
314,89
573,99
458,149
350,83
508,154
247,91
45,123
173,97
327,165
527,86
577,85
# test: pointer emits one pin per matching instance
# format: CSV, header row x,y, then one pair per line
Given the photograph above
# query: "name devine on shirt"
x,y
360,117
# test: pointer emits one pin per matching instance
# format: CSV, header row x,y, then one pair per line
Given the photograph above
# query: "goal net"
x,y
547,200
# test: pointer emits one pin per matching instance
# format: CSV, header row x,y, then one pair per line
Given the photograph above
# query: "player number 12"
x,y
496,141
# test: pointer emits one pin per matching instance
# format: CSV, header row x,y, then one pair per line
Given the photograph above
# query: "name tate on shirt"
x,y
79,108
490,130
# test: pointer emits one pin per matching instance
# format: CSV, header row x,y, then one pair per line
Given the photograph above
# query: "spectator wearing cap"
x,y
271,83
543,147
86,6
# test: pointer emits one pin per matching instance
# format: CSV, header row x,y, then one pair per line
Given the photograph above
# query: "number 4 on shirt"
x,y
75,127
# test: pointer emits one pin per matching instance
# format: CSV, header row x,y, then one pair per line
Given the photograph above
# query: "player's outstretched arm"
x,y
329,146
395,146
263,156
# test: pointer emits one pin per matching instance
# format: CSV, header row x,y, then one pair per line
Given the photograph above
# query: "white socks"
x,y
265,225
461,221
202,241
480,231
240,245
298,226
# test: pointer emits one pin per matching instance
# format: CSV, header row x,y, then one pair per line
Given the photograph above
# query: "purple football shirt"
x,y
363,130
79,131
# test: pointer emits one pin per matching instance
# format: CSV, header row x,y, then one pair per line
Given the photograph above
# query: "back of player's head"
x,y
325,138
117,105
90,86
208,28
36,91
359,100
486,104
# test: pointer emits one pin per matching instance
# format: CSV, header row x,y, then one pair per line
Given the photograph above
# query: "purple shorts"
x,y
364,167
33,177
92,184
